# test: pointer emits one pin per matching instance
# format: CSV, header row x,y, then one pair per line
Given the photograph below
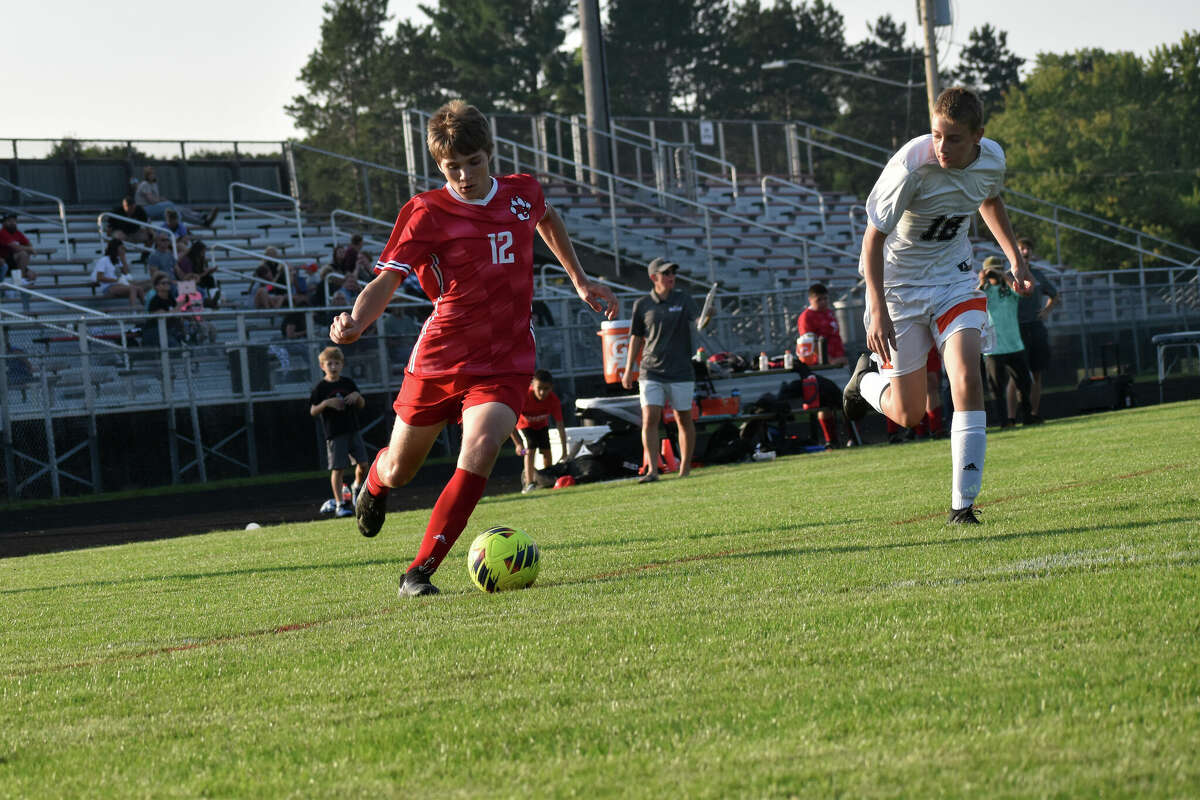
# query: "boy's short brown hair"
x,y
458,128
960,105
331,354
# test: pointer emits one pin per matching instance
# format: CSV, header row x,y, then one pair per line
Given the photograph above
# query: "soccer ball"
x,y
503,558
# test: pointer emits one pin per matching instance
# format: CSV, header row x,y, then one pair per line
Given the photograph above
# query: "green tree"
x,y
358,82
661,56
759,35
506,54
880,114
1111,135
988,67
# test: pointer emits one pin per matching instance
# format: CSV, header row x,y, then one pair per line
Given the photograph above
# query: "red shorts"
x,y
442,398
933,363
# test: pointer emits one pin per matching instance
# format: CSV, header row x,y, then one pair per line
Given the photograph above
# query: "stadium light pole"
x,y
783,62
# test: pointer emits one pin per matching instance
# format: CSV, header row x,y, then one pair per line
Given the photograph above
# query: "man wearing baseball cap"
x,y
661,326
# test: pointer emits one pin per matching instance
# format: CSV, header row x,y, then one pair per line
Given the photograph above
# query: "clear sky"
x,y
223,69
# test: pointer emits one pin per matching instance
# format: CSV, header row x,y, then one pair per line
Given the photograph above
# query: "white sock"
x,y
968,442
871,386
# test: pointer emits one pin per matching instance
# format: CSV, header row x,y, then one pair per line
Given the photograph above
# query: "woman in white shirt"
x,y
111,274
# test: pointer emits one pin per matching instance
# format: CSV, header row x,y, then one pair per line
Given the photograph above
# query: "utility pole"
x,y
933,86
595,88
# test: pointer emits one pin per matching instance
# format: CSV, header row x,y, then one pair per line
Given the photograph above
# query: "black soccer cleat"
x,y
853,404
963,516
370,511
416,584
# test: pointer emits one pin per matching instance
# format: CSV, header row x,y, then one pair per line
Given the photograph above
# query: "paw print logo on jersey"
x,y
520,206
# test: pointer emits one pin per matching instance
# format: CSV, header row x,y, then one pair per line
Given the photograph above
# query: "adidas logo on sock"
x,y
971,468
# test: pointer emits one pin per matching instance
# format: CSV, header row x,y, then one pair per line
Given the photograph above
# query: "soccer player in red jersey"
x,y
470,244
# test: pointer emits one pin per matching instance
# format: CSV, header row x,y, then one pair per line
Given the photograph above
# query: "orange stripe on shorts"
x,y
974,304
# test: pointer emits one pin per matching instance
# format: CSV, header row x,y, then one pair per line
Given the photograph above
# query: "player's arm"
x,y
881,333
632,356
599,297
370,304
995,216
516,440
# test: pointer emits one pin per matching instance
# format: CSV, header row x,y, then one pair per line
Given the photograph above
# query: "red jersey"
x,y
474,258
822,323
6,239
537,413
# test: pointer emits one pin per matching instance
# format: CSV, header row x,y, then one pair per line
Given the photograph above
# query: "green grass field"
x,y
808,626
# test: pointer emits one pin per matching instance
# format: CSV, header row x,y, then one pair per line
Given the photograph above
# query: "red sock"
x,y
891,427
935,420
450,515
374,485
923,426
827,428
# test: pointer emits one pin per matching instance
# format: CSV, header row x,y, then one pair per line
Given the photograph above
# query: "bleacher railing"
x,y
624,191
287,268
261,212
75,364
767,180
1184,255
150,226
62,210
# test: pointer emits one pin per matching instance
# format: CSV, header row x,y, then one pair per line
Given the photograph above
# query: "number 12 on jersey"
x,y
501,247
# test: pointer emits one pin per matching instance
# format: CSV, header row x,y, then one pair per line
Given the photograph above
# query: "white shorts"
x,y
657,393
926,316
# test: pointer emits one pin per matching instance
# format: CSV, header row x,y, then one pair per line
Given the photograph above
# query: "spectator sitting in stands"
x,y
130,232
175,225
155,205
267,272
819,319
162,302
348,291
365,267
161,260
111,271
193,266
349,259
15,249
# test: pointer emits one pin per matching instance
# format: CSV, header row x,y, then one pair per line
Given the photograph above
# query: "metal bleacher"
x,y
764,234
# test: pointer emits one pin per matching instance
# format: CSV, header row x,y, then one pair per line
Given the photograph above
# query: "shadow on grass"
x,y
750,553
196,576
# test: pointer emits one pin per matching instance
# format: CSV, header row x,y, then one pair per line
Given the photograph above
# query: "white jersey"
x,y
925,210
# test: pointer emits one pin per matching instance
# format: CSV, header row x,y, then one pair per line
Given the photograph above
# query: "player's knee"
x,y
480,447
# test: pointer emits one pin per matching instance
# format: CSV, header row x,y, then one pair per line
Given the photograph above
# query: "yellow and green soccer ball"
x,y
503,558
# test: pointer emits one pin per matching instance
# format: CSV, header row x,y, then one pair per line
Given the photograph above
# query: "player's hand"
x,y
338,403
881,335
626,380
520,450
345,329
599,298
1022,277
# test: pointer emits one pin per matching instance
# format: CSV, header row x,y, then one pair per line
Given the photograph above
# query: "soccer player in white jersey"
x,y
921,284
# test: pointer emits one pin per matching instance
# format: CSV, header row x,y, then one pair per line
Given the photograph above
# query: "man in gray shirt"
x,y
1032,311
662,325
